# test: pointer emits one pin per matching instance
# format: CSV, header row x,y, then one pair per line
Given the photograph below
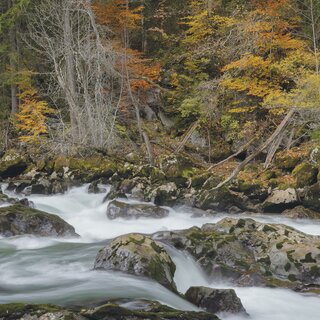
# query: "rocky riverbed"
x,y
159,259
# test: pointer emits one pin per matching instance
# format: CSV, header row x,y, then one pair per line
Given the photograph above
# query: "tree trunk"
x,y
262,147
70,74
13,69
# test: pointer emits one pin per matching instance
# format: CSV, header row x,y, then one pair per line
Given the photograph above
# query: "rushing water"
x,y
60,271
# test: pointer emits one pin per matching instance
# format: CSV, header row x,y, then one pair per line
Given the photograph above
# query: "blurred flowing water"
x,y
59,271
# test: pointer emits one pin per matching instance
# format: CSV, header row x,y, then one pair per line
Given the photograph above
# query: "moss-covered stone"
x,y
17,311
12,164
305,174
19,220
139,255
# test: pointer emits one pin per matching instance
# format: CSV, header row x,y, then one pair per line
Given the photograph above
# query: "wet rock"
x,y
251,253
114,193
12,164
108,311
20,220
280,200
94,187
117,209
300,212
139,255
20,311
147,310
166,194
215,300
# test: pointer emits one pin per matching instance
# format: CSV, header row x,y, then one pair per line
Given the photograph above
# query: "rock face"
x,y
111,310
20,220
248,252
12,164
139,255
301,212
117,209
215,300
281,200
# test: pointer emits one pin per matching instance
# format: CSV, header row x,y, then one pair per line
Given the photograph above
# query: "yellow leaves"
x,y
305,95
250,63
242,110
32,116
251,86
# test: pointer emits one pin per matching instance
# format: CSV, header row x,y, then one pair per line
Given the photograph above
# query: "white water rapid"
x,y
60,271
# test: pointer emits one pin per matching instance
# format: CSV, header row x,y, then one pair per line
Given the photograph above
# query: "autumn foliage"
x,y
31,120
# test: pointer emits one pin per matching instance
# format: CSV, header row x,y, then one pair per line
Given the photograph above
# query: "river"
x,y
44,270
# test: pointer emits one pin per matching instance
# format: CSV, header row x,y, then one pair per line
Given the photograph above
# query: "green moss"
x,y
287,266
308,258
266,260
15,310
305,174
315,271
156,248
268,228
279,245
292,277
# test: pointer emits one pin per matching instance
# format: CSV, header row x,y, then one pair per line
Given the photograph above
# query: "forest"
x,y
182,136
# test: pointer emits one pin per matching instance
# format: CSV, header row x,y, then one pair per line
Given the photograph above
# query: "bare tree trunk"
x,y
210,7
314,35
273,149
187,136
262,147
149,148
13,67
70,74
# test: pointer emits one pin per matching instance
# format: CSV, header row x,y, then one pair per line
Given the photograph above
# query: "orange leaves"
x,y
32,116
146,75
118,15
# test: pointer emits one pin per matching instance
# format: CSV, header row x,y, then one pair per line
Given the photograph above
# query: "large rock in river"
x,y
117,209
139,255
113,310
215,300
249,252
19,220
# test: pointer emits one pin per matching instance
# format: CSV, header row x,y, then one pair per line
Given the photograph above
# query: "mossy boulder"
x,y
301,212
311,197
87,169
147,310
12,164
19,220
117,209
305,174
18,311
215,300
139,255
248,252
221,199
177,169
